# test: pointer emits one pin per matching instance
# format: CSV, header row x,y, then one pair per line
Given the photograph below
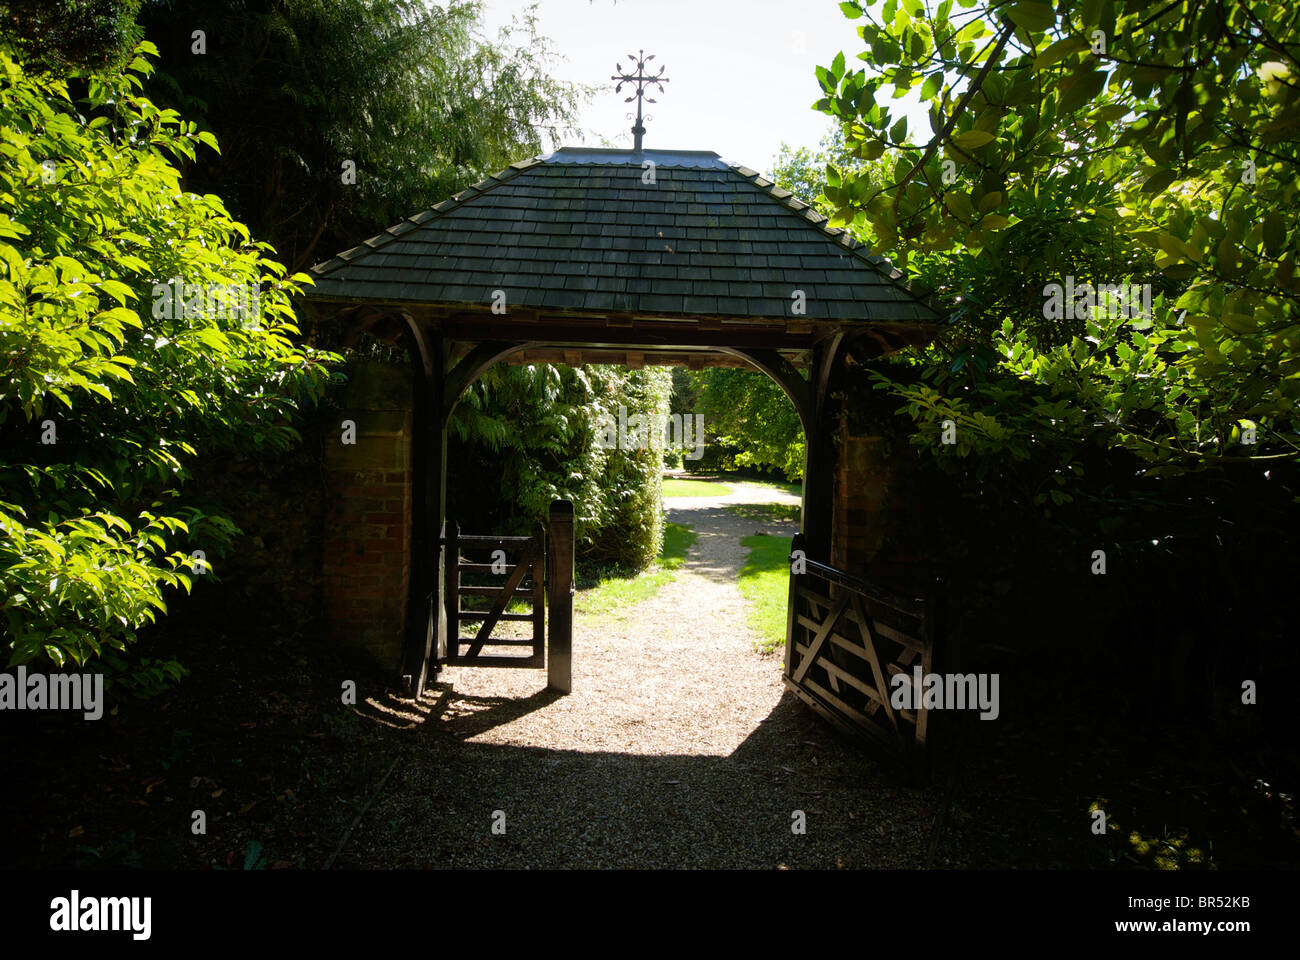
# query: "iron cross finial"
x,y
641,80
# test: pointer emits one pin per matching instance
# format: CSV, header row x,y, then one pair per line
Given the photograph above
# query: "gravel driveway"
x,y
678,747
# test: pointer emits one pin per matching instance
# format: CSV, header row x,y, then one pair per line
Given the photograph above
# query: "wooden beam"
x,y
451,566
569,331
648,357
792,605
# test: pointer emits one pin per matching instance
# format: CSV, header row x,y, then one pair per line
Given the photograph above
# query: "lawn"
x,y
765,583
614,593
765,511
694,488
795,488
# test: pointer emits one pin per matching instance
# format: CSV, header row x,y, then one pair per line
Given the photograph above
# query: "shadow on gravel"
x,y
570,809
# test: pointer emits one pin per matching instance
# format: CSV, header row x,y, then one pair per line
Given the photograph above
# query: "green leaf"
x,y
1084,84
1158,181
1274,232
972,139
1034,17
959,203
1059,51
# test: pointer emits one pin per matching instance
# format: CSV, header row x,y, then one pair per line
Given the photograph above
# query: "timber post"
x,y
426,627
451,589
559,594
798,549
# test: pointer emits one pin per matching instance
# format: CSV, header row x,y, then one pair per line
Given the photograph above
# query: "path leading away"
x,y
678,747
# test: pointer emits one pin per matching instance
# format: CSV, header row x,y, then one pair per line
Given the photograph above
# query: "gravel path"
x,y
678,747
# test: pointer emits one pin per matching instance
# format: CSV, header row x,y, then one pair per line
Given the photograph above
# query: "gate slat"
x,y
538,573
483,615
482,661
468,542
521,593
818,640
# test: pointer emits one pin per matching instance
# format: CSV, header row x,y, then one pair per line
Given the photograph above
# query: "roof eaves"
x,y
424,216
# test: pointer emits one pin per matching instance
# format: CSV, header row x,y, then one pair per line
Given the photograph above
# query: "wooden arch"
x,y
439,383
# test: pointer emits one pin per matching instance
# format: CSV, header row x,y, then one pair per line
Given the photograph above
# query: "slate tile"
x,y
700,304
660,302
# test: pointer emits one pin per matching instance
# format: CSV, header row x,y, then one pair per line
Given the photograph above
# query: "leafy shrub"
x,y
107,399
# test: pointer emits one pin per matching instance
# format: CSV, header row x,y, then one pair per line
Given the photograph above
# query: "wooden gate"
x,y
845,640
522,562
536,569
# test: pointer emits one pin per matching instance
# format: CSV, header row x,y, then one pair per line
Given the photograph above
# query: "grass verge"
x,y
771,512
765,583
674,487
795,488
613,593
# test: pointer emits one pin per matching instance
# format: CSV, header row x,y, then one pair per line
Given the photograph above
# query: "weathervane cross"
x,y
641,80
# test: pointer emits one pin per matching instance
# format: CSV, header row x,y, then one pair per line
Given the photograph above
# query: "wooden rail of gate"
x,y
845,640
525,579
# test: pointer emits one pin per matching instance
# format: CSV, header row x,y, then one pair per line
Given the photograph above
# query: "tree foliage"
x,y
107,393
746,411
1170,127
337,118
57,34
806,173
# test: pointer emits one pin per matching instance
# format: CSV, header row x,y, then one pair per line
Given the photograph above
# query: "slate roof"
x,y
578,231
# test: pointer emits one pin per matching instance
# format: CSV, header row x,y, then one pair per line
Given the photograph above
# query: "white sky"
x,y
741,73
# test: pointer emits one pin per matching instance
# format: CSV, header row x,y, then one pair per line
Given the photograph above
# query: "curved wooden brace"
x,y
787,378
472,365
417,346
827,358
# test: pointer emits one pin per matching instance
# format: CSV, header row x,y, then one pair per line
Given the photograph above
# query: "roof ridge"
x,y
427,215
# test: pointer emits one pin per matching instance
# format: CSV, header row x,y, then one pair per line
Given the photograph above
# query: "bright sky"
x,y
741,72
